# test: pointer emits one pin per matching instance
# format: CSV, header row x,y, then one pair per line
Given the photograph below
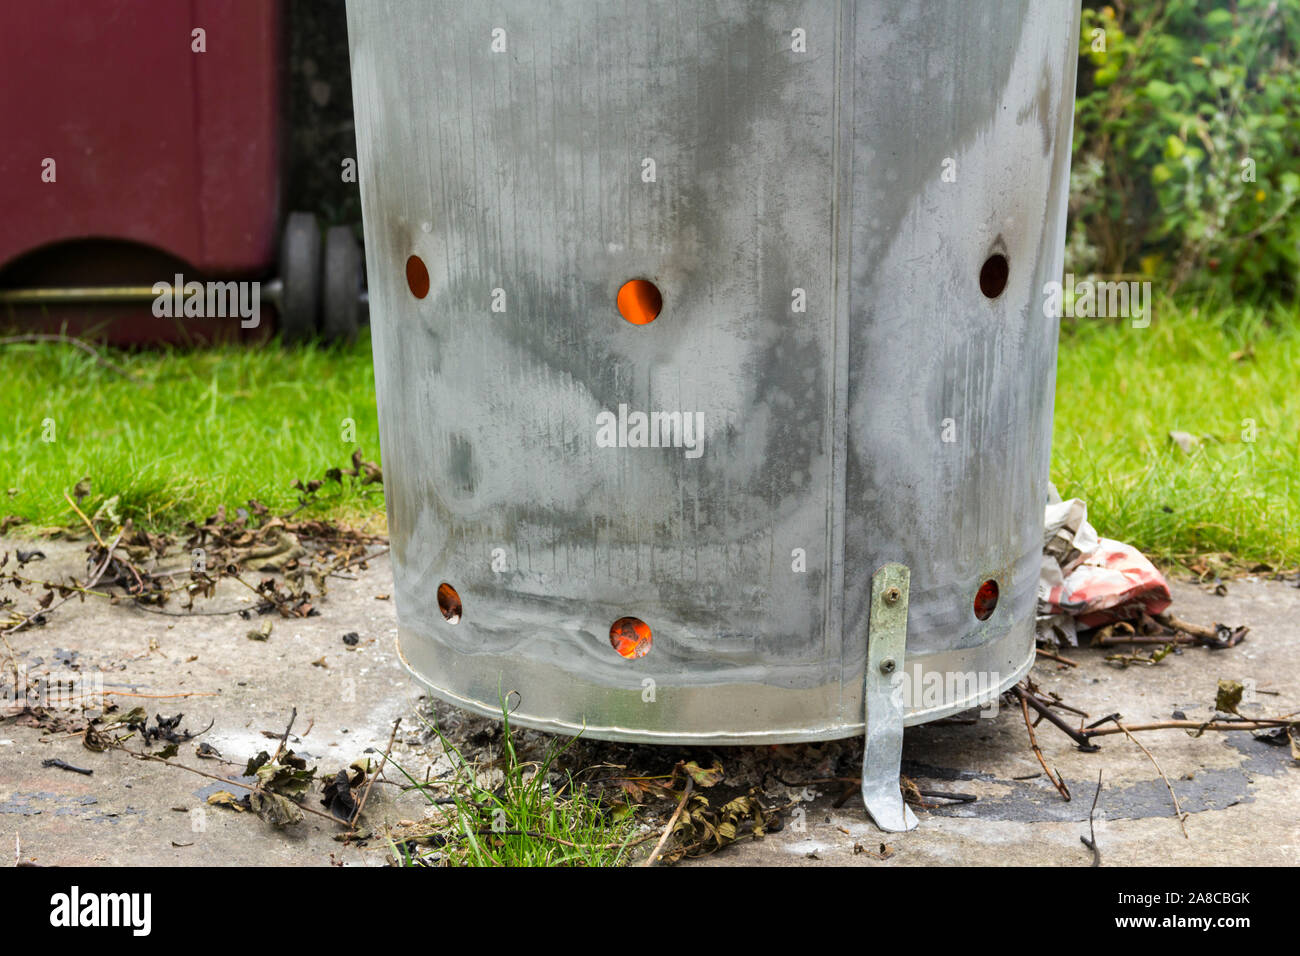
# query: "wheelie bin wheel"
x,y
341,310
300,274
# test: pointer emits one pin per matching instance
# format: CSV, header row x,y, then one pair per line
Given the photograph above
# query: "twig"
x,y
212,776
1077,736
1054,702
1177,810
108,557
1124,660
672,821
122,693
1091,844
1116,640
284,738
83,517
360,560
76,343
371,782
157,610
1195,630
1056,657
1033,742
1259,724
63,765
56,586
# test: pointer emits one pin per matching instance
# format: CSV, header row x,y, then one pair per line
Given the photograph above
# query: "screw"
x,y
887,666
892,595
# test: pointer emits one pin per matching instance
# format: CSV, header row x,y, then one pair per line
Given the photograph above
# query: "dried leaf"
x,y
207,751
224,798
255,762
274,809
1228,697
288,775
704,777
337,795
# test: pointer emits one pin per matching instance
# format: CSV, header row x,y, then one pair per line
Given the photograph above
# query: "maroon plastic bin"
x,y
167,160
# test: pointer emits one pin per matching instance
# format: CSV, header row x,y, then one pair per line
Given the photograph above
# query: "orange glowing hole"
x,y
417,277
986,600
630,636
449,602
639,301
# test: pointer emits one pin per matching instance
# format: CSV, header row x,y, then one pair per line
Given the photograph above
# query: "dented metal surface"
x,y
902,416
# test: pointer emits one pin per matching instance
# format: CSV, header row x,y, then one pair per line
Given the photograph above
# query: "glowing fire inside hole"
x,y
449,602
639,301
630,636
986,600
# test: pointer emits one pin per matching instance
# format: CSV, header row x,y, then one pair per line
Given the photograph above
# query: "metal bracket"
x,y
886,647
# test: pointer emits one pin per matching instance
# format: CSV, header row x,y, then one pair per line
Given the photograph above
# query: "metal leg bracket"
x,y
886,647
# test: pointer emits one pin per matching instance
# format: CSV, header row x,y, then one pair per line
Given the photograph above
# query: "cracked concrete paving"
x,y
1241,794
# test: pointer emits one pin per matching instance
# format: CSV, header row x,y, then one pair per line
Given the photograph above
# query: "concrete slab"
x,y
135,812
1241,793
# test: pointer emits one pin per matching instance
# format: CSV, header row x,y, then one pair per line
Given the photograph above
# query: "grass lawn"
x,y
1229,377
192,430
187,432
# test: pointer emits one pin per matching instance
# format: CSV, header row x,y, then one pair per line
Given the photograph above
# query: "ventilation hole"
x,y
630,636
417,277
449,602
986,600
639,301
993,277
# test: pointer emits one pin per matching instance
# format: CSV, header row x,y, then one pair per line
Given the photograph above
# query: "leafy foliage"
x,y
1187,151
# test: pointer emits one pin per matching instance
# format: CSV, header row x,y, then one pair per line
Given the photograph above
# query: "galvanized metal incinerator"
x,y
715,381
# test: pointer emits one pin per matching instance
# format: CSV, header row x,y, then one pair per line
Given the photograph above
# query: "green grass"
x,y
1120,391
194,429
188,431
522,820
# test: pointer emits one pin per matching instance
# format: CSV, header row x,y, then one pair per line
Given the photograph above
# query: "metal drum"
x,y
712,356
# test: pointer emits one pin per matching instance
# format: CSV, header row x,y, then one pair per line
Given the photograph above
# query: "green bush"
x,y
1187,145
